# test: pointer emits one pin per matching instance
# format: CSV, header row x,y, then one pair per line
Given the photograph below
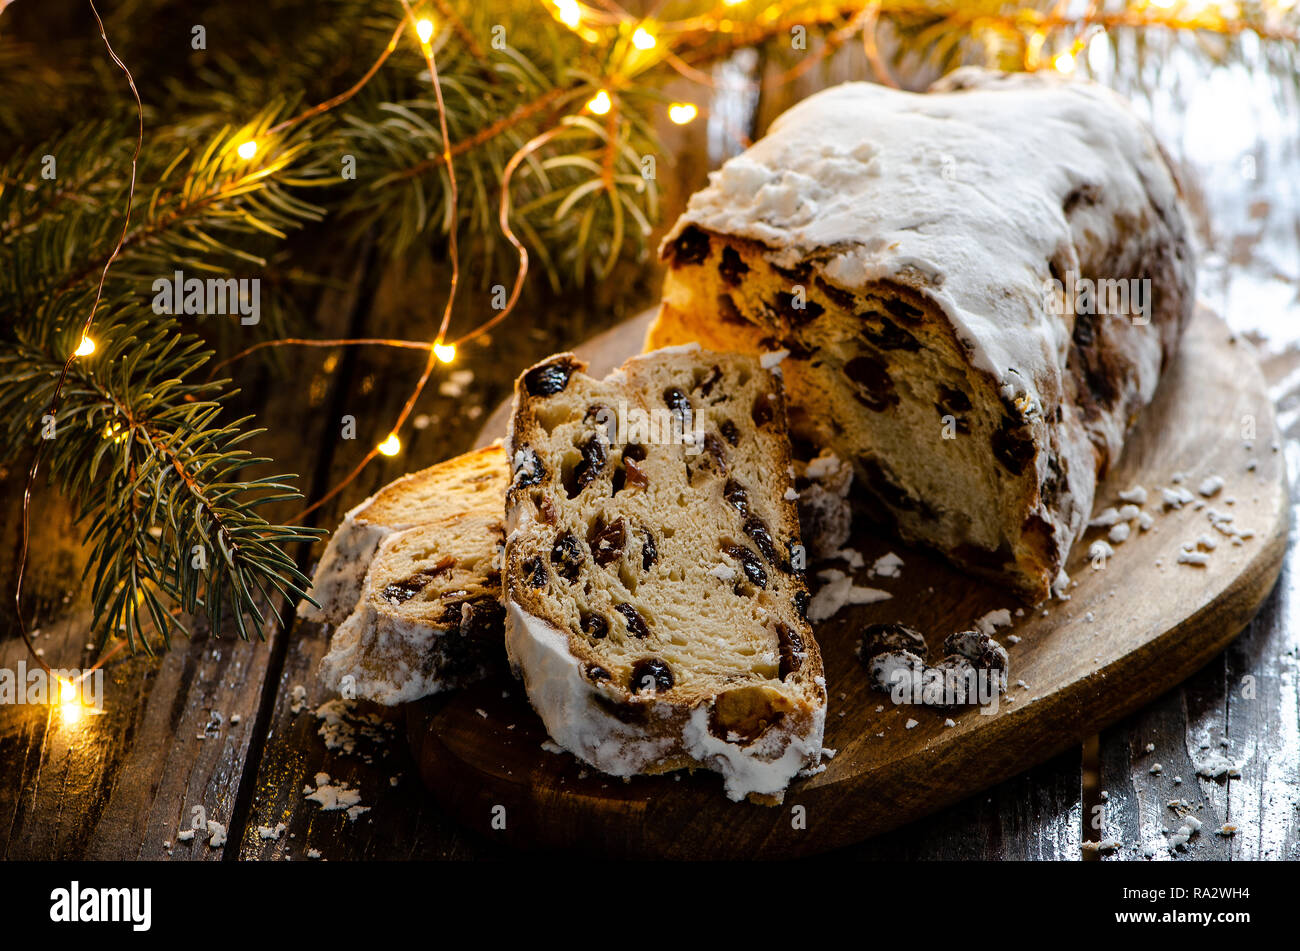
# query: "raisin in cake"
x,y
470,482
910,251
655,604
429,617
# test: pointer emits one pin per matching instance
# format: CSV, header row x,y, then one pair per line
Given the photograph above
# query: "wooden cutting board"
x,y
1130,630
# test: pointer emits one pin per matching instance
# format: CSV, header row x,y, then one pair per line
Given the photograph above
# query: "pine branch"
x,y
194,204
167,490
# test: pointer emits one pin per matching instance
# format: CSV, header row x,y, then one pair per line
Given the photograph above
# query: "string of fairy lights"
x,y
646,42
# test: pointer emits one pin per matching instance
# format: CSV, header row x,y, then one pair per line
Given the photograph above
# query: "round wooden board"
x,y
1130,631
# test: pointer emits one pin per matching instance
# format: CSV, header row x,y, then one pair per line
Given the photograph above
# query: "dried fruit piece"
x,y
535,572
691,247
756,529
401,591
633,476
731,267
791,648
736,496
749,562
592,465
801,601
1013,446
649,551
593,625
875,388
676,400
764,410
549,378
650,674
636,625
528,468
607,541
566,556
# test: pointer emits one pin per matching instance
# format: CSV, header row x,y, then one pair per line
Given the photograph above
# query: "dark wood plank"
x,y
1242,705
1032,817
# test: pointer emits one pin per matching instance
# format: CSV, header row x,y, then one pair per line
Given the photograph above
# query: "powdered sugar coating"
x,y
931,190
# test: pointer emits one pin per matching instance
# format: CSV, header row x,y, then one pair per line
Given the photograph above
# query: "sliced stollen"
x,y
655,603
979,288
429,618
469,482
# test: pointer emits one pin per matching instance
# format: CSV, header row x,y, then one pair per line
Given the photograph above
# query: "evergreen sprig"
x,y
162,481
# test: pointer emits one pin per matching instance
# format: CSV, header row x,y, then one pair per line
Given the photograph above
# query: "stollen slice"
x,y
654,590
429,618
461,484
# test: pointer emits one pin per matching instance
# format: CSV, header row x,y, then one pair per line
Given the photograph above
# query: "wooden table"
x,y
123,785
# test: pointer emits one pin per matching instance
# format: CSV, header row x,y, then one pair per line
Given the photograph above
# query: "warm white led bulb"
x,y
86,347
424,30
390,446
247,150
642,39
570,13
682,112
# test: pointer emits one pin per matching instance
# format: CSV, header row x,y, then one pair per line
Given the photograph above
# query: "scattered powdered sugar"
x,y
266,833
838,590
887,566
1119,533
1216,766
1106,519
850,556
1098,552
1176,497
1210,486
772,358
335,797
341,725
724,571
990,622
216,834
1137,495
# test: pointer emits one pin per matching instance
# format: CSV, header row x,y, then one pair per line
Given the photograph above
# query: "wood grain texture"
x,y
1134,626
1243,704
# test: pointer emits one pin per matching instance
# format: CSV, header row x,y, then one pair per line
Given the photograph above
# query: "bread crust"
x,y
414,499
